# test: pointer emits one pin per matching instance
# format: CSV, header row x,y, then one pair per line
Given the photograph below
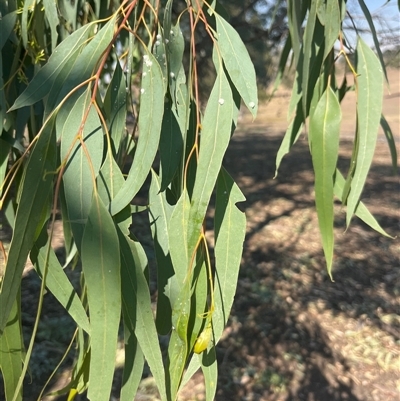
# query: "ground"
x,y
293,333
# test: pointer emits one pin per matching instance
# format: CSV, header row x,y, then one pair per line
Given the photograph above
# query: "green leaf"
x,y
7,23
324,144
369,109
49,76
159,215
178,240
82,164
237,63
12,351
175,47
368,17
171,146
150,120
215,136
50,10
33,204
115,106
332,25
133,367
137,307
362,212
209,367
101,267
56,280
391,142
230,229
291,136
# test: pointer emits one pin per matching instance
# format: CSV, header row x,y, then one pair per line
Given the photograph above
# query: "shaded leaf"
x,y
101,267
12,351
30,217
82,162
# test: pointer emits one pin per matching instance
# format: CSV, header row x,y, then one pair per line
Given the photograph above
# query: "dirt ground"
x,y
293,333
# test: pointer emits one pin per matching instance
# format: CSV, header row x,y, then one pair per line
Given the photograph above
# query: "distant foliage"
x,y
71,74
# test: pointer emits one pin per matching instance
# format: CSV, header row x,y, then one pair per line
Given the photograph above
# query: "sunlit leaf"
x,y
369,109
324,145
237,63
150,120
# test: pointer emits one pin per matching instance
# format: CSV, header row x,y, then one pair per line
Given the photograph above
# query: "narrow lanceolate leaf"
x,y
391,142
150,120
82,162
48,75
12,352
171,146
178,240
101,267
7,23
230,228
56,280
369,109
291,136
30,217
324,140
50,10
362,212
137,310
215,136
115,106
209,368
238,63
371,24
332,25
159,215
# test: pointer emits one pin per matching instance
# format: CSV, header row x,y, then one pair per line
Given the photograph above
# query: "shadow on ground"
x,y
293,333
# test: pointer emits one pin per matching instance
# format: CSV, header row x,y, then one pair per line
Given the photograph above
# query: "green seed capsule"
x,y
203,340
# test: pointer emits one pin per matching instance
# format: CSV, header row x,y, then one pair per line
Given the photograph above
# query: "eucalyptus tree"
x,y
70,74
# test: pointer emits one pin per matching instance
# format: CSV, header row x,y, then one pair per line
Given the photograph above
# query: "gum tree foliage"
x,y
65,148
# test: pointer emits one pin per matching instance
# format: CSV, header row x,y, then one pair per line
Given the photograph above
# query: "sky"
x,y
386,17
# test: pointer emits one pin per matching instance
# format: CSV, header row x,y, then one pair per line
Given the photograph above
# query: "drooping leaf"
x,y
369,109
101,267
7,23
12,351
56,280
171,146
50,10
137,308
362,212
160,214
49,75
31,215
82,150
237,63
230,228
391,142
150,120
115,106
332,25
371,25
324,145
215,136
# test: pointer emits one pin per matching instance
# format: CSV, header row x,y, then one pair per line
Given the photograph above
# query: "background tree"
x,y
70,73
